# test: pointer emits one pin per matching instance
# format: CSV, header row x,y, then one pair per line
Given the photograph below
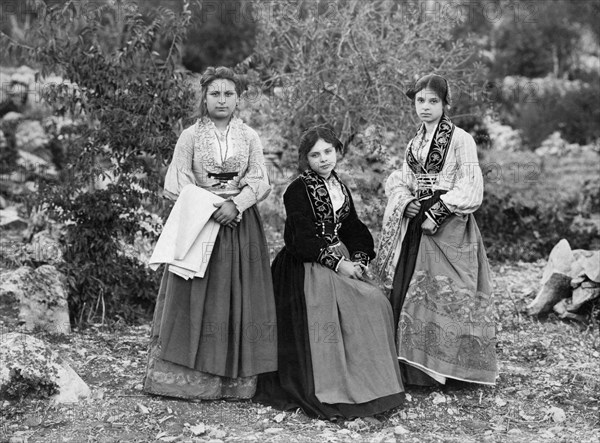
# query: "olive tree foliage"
x,y
348,64
128,103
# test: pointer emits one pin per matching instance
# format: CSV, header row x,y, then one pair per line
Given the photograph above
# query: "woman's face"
x,y
322,158
429,106
221,99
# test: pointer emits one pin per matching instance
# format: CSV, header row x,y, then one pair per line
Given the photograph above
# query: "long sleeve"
x,y
466,192
356,236
256,186
301,236
466,195
400,188
180,172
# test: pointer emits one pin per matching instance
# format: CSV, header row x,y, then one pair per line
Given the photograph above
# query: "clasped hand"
x,y
226,214
351,269
429,227
412,209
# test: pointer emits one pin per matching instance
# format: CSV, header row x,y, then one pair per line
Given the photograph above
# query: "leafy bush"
x,y
103,281
541,106
589,200
575,114
132,102
541,38
8,150
516,230
349,64
222,33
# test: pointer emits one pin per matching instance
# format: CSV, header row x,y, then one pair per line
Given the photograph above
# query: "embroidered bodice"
x,y
314,227
449,163
202,156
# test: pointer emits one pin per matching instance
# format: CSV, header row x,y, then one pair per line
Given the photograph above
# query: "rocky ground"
x,y
548,390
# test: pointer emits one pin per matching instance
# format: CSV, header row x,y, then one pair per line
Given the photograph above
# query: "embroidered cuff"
x,y
238,218
329,259
361,257
245,199
438,213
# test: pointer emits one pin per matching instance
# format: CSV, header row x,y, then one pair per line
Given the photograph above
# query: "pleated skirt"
x,y
442,296
212,336
336,344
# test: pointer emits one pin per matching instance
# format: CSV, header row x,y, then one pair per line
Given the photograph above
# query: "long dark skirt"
x,y
293,385
211,336
402,277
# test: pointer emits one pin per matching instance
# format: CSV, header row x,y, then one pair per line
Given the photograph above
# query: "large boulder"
x,y
40,166
41,295
30,136
30,361
588,264
553,290
3,142
10,219
12,118
556,281
570,280
45,247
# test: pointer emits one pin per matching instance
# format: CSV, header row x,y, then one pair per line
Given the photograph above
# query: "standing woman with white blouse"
x,y
212,336
431,256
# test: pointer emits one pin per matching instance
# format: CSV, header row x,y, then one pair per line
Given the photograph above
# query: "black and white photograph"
x,y
299,221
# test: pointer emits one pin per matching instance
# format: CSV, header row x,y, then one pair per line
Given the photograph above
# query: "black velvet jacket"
x,y
312,230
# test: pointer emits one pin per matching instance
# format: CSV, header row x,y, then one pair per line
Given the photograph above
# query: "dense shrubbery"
x,y
8,152
130,102
573,111
530,203
516,230
220,33
349,64
103,280
589,201
553,52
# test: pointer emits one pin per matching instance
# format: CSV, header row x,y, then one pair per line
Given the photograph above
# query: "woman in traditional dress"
x,y
336,355
212,336
431,254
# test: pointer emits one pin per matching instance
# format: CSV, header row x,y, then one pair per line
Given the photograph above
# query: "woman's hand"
x,y
428,226
350,269
226,214
366,272
412,209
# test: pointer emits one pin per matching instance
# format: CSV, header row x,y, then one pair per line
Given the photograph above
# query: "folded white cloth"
x,y
188,237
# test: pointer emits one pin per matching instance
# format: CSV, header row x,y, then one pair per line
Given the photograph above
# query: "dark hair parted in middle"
x,y
211,74
309,139
435,82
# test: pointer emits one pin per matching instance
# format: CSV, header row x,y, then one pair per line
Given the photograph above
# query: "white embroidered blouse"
x,y
200,153
460,176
